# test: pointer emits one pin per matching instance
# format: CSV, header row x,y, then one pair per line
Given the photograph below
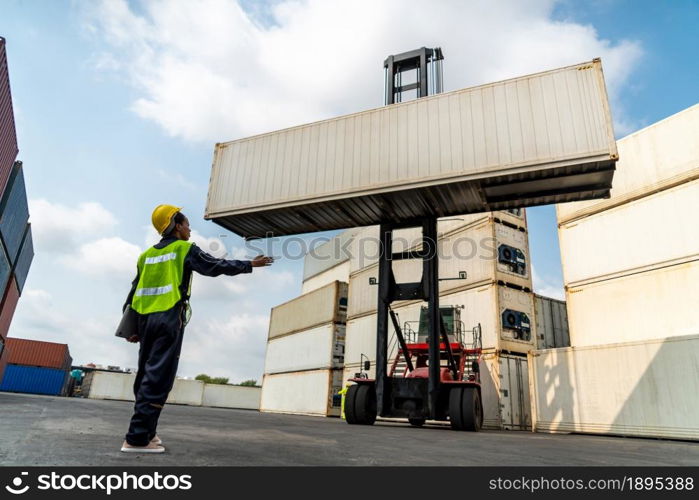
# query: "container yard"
x,y
425,322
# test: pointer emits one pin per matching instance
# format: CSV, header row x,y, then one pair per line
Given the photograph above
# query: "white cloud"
x,y
208,71
105,257
548,287
58,228
233,347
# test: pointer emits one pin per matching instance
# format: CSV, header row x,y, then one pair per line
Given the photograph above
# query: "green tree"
x,y
249,383
211,380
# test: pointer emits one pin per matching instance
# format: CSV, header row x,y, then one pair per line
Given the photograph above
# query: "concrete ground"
x,y
44,430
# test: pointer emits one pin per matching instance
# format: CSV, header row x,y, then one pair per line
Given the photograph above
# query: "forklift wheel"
x,y
360,405
465,409
416,422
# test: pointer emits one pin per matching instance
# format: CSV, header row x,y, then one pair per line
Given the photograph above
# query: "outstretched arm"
x,y
208,265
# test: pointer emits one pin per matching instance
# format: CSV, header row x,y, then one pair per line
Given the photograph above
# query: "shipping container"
x,y
186,392
321,347
364,247
486,304
14,213
39,353
5,269
322,306
109,385
505,391
33,379
4,356
657,303
337,273
232,396
24,260
328,255
655,158
7,308
646,389
313,392
539,139
487,251
8,134
551,323
652,230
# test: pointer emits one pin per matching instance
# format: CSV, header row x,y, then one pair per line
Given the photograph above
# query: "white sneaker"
x,y
149,448
157,440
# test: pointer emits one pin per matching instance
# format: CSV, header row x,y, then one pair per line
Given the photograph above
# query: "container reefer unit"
x,y
319,307
647,389
364,247
551,323
34,380
8,134
313,392
506,317
539,139
658,157
655,230
662,301
39,353
485,252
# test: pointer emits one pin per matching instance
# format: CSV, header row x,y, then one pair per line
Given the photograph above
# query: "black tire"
x,y
350,404
365,405
416,422
455,410
471,410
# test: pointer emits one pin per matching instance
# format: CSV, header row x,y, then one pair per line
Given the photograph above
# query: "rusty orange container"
x,y
38,353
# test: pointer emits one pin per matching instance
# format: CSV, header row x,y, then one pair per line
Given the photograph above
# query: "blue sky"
x,y
118,105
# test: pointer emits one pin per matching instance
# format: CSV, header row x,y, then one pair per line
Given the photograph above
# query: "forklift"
x,y
434,375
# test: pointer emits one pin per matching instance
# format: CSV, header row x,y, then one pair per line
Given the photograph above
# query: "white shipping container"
x,y
505,391
109,385
119,386
645,389
551,323
649,231
232,396
654,158
658,303
484,304
322,347
305,393
364,247
503,145
187,392
325,305
328,255
337,273
475,250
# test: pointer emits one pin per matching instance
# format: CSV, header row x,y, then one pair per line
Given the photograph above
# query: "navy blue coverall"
x,y
160,337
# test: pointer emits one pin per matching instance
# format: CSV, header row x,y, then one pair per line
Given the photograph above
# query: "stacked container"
x,y
485,268
631,269
36,367
8,154
305,353
631,263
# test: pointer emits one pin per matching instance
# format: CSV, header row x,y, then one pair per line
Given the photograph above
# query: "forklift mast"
x,y
423,62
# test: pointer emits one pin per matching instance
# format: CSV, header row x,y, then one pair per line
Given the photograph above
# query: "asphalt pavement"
x,y
55,431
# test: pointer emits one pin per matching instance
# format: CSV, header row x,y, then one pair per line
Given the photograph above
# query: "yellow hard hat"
x,y
162,216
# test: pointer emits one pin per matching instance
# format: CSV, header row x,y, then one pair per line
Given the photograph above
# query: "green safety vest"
x,y
160,273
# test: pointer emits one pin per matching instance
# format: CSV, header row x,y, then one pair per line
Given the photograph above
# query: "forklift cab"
x,y
451,316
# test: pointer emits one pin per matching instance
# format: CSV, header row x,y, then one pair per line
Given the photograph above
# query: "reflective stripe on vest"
x,y
160,272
